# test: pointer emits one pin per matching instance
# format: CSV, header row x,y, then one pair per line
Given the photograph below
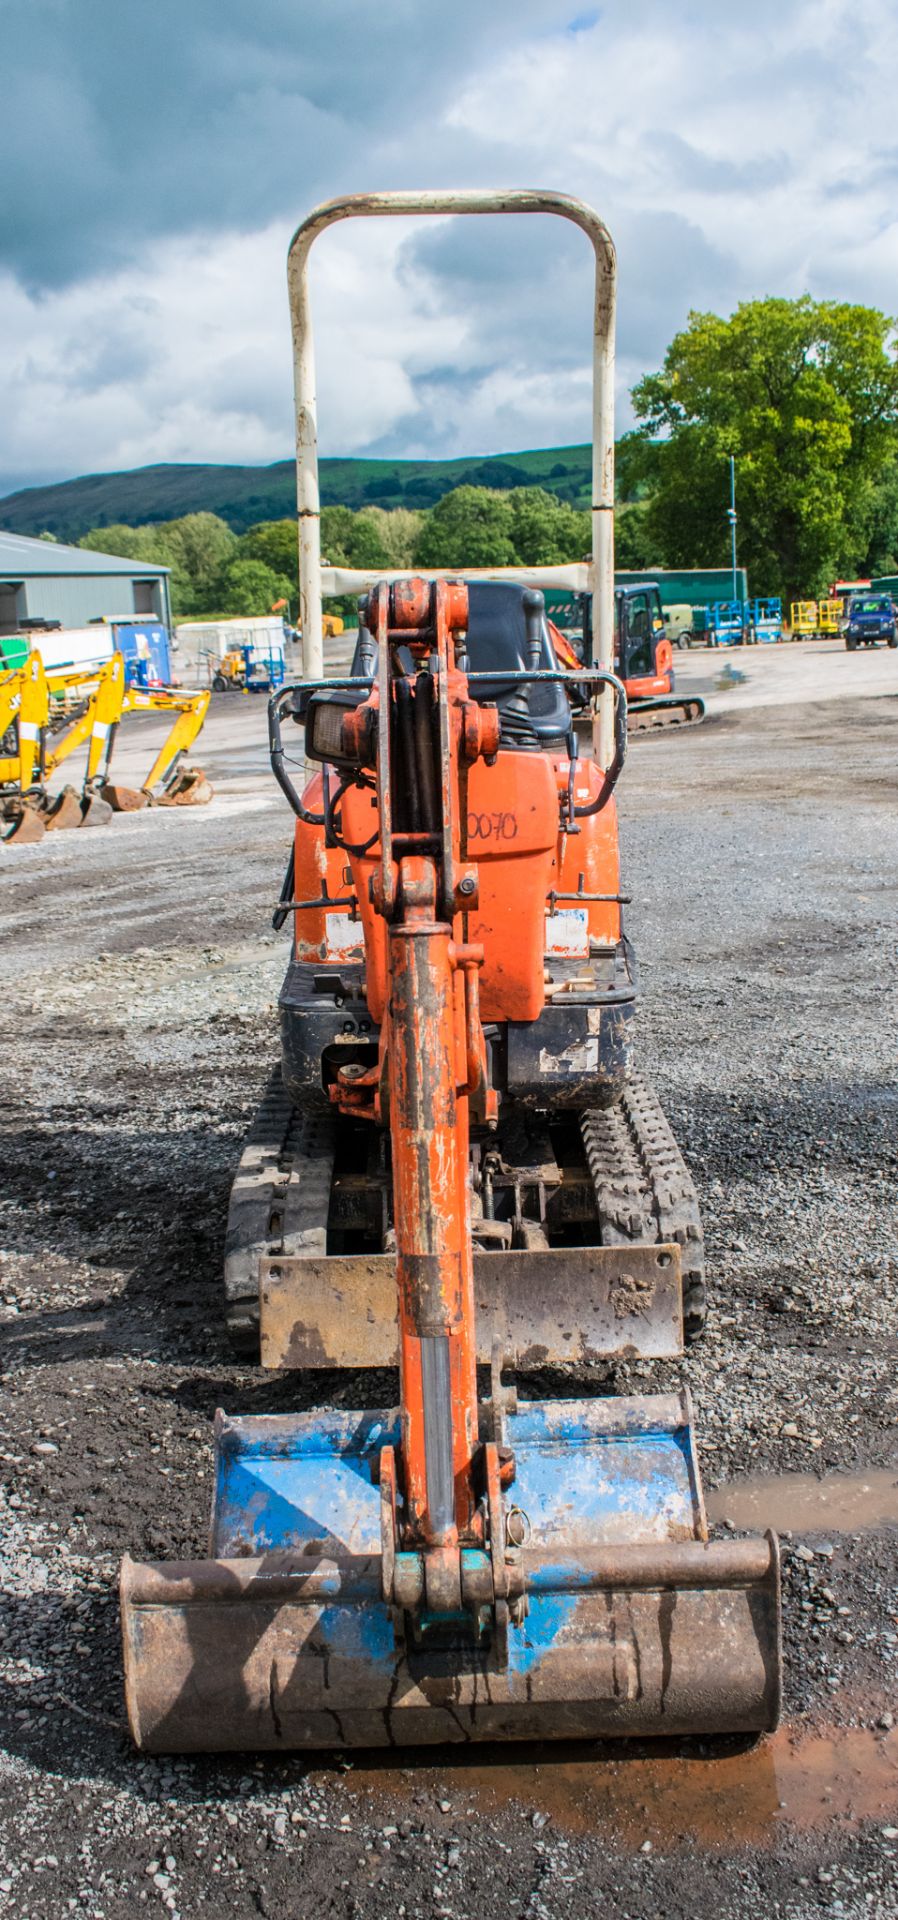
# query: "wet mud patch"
x,y
807,1502
719,1795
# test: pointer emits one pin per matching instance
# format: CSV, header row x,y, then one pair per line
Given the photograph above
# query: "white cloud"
x,y
188,357
734,153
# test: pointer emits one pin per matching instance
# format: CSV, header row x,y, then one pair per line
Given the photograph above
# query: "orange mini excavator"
x,y
643,658
455,1175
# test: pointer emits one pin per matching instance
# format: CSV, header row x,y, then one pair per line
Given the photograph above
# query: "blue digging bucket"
x,y
635,1623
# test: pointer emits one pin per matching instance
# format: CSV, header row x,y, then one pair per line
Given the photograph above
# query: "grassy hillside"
x,y
245,495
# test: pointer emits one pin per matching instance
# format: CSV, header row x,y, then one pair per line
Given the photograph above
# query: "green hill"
x,y
244,495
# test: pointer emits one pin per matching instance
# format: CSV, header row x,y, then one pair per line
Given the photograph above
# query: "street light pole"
x,y
731,516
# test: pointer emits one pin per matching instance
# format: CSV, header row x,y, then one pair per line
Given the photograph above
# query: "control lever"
x,y
534,607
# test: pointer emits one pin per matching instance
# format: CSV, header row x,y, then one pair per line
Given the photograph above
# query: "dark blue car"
x,y
871,617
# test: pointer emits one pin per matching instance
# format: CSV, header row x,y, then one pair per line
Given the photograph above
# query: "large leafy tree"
x,y
200,547
882,540
471,526
353,539
477,527
397,529
197,548
250,587
546,531
635,541
804,394
274,542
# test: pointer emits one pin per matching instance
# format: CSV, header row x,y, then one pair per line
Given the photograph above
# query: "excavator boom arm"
x,y
24,705
96,723
190,711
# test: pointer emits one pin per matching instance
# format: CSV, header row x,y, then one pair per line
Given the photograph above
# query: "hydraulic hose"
x,y
278,759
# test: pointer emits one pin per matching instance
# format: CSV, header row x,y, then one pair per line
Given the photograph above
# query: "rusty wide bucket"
x,y
189,788
634,1623
123,799
21,825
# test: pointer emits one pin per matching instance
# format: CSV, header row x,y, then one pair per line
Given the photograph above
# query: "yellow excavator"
x,y
46,717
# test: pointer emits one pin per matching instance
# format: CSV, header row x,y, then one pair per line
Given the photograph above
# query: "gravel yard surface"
x,y
139,976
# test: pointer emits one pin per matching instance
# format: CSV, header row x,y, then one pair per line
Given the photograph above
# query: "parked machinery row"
x,y
46,717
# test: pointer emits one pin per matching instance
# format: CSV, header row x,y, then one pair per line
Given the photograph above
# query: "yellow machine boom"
x,y
87,707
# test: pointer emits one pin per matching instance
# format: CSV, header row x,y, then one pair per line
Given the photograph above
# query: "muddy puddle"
x,y
802,1502
718,1795
723,1797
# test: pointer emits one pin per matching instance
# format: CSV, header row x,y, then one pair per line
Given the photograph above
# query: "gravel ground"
x,y
139,978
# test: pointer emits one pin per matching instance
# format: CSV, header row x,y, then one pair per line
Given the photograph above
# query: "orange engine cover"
x,y
510,831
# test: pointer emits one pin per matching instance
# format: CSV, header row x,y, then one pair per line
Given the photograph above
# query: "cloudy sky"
x,y
156,154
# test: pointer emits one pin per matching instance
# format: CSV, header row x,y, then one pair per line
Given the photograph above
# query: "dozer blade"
x,y
64,813
636,1625
190,789
123,799
26,827
559,1306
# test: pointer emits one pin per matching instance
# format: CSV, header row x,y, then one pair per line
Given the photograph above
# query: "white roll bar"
x,y
576,578
600,571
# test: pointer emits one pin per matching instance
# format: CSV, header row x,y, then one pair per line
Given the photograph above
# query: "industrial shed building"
x,y
41,580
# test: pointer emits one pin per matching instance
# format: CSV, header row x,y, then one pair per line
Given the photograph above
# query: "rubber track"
x,y
279,1200
281,1191
643,1188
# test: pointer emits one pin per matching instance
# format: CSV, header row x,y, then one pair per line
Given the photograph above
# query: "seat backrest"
x,y
497,640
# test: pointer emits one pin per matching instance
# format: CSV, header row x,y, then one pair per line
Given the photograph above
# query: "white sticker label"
x,y
567,934
343,936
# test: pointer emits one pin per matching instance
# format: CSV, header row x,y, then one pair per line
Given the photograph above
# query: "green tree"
x,y
336,534
199,548
469,527
129,543
804,393
635,544
366,548
249,587
150,545
635,467
397,531
546,531
275,543
882,544
196,549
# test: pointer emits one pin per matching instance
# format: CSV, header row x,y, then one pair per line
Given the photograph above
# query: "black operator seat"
x,y
497,639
